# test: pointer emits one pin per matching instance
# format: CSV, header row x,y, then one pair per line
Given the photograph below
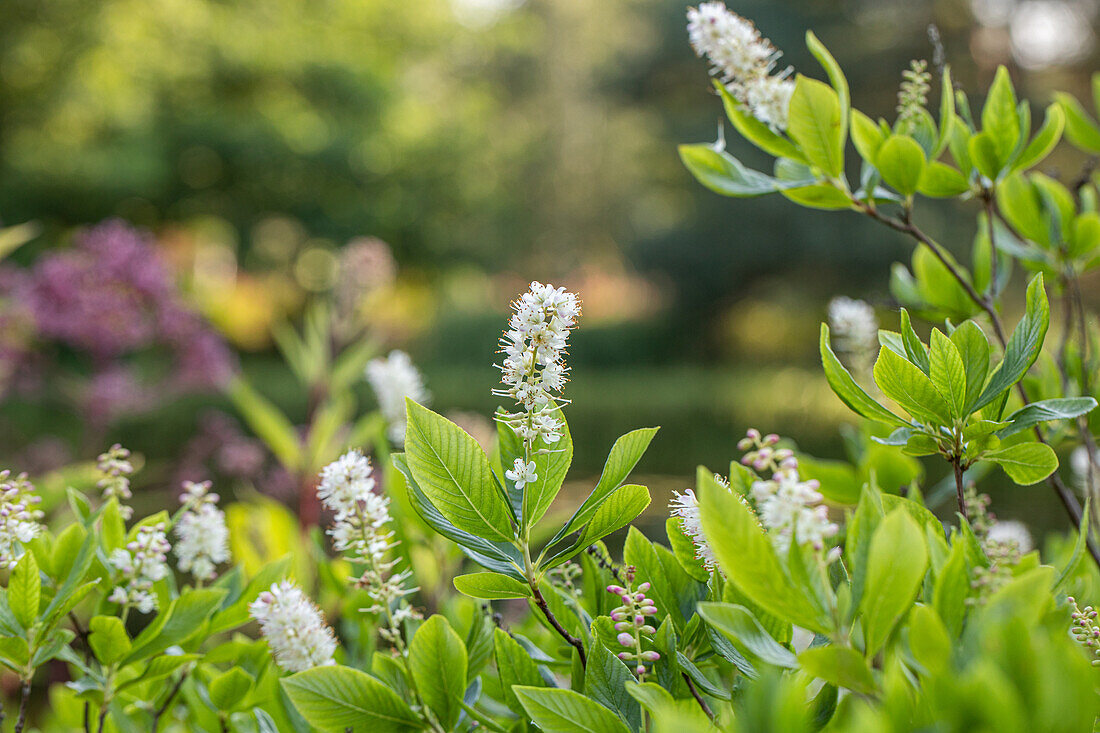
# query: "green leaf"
x,y
722,173
437,660
454,473
929,640
565,711
620,508
268,422
624,456
740,626
1063,408
816,124
605,680
25,590
515,667
229,690
983,152
1078,553
498,557
108,639
752,129
907,385
952,587
745,553
866,136
684,549
973,347
948,373
491,586
947,114
836,79
845,387
1023,346
840,666
1001,118
901,162
335,698
1045,139
673,590
825,196
896,561
939,180
914,349
1081,130
1025,463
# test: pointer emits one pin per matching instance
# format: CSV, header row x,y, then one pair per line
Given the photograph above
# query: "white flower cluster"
x,y
854,326
116,469
533,370
359,530
202,539
1011,535
686,507
743,60
393,379
19,520
141,564
789,508
294,628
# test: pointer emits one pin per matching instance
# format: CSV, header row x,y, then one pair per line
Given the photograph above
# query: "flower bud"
x,y
650,656
625,639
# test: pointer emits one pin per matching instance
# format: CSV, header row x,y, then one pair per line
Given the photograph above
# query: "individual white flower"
x,y
19,520
115,469
359,530
202,539
743,60
533,371
1012,534
294,628
522,473
140,564
393,379
790,509
853,325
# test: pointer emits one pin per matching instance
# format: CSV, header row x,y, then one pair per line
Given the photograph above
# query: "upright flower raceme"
x,y
359,530
1085,629
686,507
393,379
743,60
789,508
202,539
533,370
294,628
115,470
19,520
632,621
140,564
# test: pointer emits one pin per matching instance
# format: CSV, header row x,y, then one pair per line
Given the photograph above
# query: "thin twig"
x,y
23,699
576,643
167,702
699,698
905,226
960,490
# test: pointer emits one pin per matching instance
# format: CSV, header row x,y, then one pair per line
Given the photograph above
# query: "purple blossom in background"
x,y
108,298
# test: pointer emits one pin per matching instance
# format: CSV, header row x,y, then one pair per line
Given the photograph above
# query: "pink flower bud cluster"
x,y
1085,629
632,620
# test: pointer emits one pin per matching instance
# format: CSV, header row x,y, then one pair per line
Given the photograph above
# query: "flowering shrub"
x,y
793,594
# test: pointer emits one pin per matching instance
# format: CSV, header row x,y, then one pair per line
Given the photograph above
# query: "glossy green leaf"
x,y
1023,346
229,690
437,661
752,129
948,373
973,347
515,667
939,180
866,136
565,711
907,385
605,680
901,162
491,586
1081,130
841,666
618,510
896,561
108,639
1000,117
1063,408
1025,463
335,698
453,472
722,173
816,124
25,590
741,627
1045,139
